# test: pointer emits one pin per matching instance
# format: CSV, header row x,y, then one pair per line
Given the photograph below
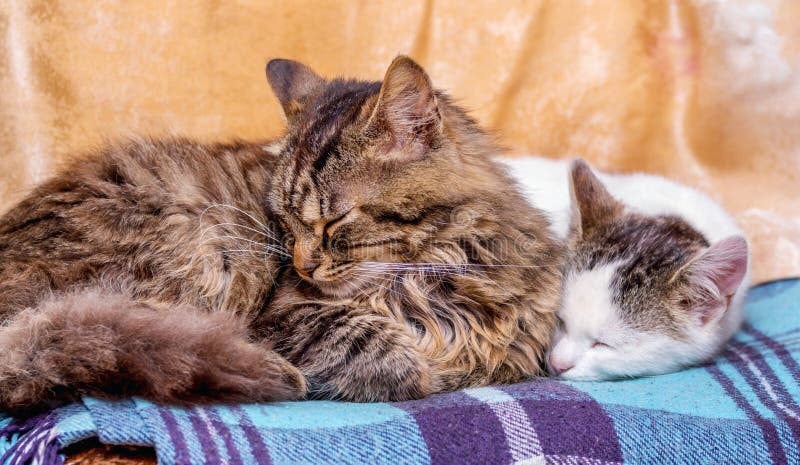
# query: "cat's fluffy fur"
x,y
144,225
418,267
98,341
389,192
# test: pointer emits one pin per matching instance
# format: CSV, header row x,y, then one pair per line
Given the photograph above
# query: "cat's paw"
x,y
23,396
396,377
388,369
352,353
251,373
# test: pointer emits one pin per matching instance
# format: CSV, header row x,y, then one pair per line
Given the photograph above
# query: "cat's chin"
x,y
338,288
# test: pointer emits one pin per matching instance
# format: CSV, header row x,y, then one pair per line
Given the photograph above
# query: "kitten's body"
x,y
545,182
660,228
163,269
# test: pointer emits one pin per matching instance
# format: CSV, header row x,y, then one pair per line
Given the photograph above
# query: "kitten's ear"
x,y
408,109
715,275
293,83
591,203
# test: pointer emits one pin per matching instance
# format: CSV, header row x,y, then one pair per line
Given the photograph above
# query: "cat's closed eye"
x,y
597,344
288,237
327,230
339,244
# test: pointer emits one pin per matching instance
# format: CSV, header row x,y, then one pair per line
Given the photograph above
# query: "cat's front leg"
x,y
350,353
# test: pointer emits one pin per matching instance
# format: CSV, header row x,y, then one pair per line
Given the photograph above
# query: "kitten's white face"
x,y
593,343
643,294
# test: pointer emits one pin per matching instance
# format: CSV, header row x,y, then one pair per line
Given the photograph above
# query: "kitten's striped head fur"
x,y
643,294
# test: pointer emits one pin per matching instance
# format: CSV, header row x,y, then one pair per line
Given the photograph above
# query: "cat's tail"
x,y
105,344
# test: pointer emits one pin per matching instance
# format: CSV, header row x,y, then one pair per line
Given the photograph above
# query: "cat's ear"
x,y
592,205
714,276
293,83
407,109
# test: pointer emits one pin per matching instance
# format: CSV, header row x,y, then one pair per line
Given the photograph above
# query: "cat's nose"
x,y
558,366
305,261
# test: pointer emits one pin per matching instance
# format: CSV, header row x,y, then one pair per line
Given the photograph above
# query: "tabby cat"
x,y
374,252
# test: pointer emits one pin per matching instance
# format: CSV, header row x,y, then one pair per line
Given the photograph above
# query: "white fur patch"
x,y
594,343
587,316
588,311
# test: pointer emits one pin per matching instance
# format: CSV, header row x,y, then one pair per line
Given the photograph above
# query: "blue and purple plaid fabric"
x,y
743,409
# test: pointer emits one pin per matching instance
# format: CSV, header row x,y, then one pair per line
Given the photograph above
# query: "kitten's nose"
x,y
305,261
558,366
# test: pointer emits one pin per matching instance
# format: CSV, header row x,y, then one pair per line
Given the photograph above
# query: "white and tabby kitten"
x,y
657,272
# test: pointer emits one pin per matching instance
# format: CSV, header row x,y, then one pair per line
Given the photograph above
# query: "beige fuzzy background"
x,y
706,92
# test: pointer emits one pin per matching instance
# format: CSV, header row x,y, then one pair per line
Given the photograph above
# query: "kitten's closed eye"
x,y
597,344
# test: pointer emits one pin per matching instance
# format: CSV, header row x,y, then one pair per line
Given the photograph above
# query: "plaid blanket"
x,y
741,409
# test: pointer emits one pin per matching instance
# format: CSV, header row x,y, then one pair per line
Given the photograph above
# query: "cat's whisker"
x,y
267,247
387,287
385,278
409,266
454,265
276,273
357,283
224,205
437,271
393,277
386,275
373,272
267,252
266,234
379,273
441,273
264,245
225,251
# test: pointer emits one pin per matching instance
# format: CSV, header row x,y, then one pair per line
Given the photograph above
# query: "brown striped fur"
x,y
149,266
135,234
421,267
